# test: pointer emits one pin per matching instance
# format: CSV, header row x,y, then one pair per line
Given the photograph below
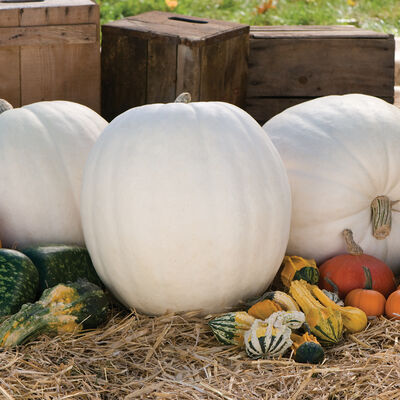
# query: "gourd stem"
x,y
381,215
5,105
352,247
333,284
368,278
184,97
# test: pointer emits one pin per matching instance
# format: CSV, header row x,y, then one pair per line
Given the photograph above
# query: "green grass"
x,y
378,15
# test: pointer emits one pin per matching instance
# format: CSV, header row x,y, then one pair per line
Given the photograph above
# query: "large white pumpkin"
x,y
43,149
341,153
185,207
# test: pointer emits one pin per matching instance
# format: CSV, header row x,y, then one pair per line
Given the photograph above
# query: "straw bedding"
x,y
176,357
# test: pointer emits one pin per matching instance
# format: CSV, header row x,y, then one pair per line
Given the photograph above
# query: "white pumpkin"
x,y
43,149
341,153
185,207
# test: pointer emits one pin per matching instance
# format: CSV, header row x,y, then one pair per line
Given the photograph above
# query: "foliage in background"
x,y
378,15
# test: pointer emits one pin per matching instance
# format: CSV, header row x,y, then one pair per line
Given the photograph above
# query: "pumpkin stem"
x,y
368,278
184,97
381,209
352,247
5,105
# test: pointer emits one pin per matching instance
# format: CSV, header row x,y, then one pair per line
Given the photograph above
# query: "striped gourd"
x,y
230,328
264,340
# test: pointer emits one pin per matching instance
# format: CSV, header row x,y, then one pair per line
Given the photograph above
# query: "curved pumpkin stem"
x,y
381,209
352,247
184,97
5,105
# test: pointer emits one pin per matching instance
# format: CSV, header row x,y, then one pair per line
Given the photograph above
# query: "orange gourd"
x,y
370,301
392,305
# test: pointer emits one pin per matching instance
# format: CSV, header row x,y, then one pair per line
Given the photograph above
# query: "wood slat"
x,y
184,27
49,12
161,69
48,35
62,72
313,31
10,76
124,72
189,71
309,67
224,70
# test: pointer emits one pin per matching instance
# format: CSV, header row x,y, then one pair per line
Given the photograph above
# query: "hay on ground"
x,y
177,357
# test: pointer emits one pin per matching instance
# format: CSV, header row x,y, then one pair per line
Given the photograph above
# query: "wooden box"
x,y
155,56
50,50
292,64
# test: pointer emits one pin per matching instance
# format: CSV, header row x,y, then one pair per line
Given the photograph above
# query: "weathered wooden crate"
x,y
50,50
155,56
292,64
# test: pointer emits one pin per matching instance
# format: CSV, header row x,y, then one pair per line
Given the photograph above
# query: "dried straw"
x,y
176,357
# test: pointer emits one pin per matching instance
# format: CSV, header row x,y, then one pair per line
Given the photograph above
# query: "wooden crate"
x,y
50,50
155,56
292,64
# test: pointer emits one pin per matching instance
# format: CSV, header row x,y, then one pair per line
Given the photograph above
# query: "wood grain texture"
x,y
292,64
161,69
10,76
61,72
318,67
189,29
169,54
189,71
48,35
49,12
224,70
124,72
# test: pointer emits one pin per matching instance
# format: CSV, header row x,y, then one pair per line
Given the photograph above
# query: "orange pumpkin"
x,y
345,271
392,306
370,301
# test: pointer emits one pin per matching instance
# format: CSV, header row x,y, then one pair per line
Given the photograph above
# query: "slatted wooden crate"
x,y
292,64
50,50
155,56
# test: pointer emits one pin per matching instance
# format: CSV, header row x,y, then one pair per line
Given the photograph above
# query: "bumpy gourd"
x,y
295,267
342,158
230,328
194,201
65,308
43,150
324,322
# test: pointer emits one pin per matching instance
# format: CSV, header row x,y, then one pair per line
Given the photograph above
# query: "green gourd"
x,y
65,308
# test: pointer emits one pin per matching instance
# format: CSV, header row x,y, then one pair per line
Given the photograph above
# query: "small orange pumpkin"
x,y
370,301
392,305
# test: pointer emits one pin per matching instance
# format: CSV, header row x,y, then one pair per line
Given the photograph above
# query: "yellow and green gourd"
x,y
295,268
230,328
325,323
307,349
65,308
